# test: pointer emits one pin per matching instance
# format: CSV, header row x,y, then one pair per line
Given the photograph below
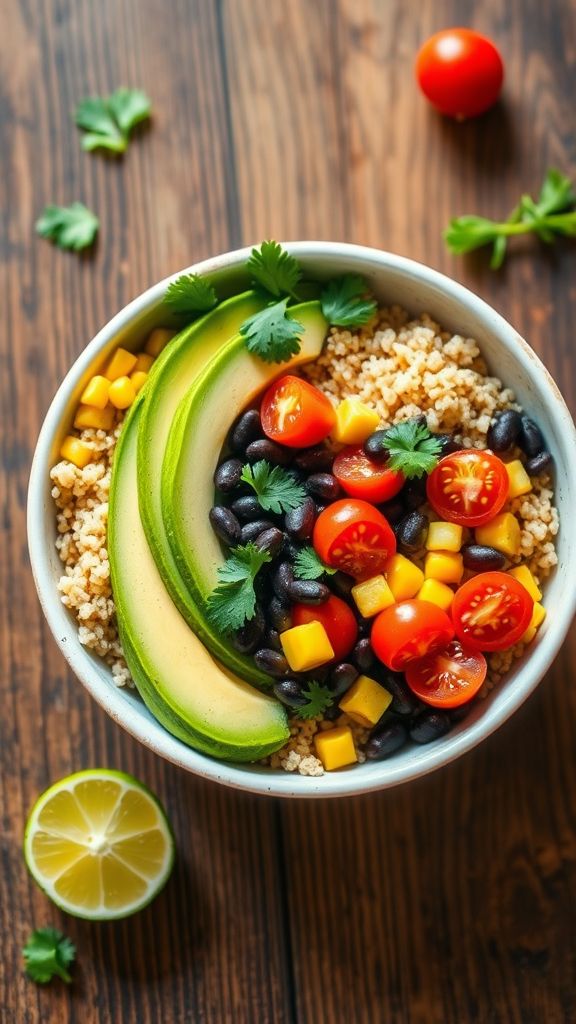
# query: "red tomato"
x,y
362,477
295,413
448,677
409,629
460,72
355,537
468,487
491,611
338,620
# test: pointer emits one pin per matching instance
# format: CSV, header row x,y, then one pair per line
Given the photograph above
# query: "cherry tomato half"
x,y
355,537
460,72
408,630
448,677
491,611
295,413
338,620
362,477
468,487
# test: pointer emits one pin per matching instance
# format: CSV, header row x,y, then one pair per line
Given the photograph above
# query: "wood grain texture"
x,y
445,902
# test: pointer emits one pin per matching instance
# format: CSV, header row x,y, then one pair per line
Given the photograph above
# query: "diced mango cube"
x,y
372,596
157,340
138,378
354,422
518,478
76,451
306,646
403,577
436,593
96,392
122,392
524,576
444,537
444,566
121,364
143,362
335,748
366,701
99,419
538,616
502,533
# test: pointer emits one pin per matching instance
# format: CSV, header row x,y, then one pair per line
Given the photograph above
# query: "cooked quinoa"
x,y
398,365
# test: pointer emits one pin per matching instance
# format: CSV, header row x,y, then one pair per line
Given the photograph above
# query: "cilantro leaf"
x,y
557,193
274,269
108,120
345,301
48,953
277,491
318,699
307,565
272,334
233,601
69,227
190,294
412,448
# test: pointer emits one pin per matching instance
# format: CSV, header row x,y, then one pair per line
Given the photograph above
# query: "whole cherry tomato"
x,y
338,620
362,477
447,677
491,611
295,413
468,487
460,72
355,537
408,630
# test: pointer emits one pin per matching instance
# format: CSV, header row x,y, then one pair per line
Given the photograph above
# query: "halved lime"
x,y
99,844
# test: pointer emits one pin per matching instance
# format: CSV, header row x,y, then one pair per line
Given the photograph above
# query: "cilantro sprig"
x,y
346,301
412,448
551,216
307,565
274,269
318,699
48,954
233,602
277,490
109,120
190,294
272,334
69,227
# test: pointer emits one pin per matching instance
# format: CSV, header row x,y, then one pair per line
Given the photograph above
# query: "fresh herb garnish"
x,y
233,601
108,120
48,953
190,294
274,269
272,334
69,227
307,565
550,216
277,490
412,448
318,699
346,301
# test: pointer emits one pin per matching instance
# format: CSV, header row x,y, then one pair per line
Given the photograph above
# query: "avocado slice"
x,y
193,697
230,382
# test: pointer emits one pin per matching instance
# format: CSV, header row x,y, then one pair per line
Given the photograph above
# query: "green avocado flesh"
x,y
228,384
191,695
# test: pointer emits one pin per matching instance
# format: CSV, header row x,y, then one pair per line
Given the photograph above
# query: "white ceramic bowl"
x,y
394,280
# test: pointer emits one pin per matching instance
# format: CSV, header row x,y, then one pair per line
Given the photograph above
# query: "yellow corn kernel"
x,y
335,748
372,596
96,392
366,701
307,646
99,419
436,593
122,392
524,576
121,364
157,340
538,616
403,577
143,362
76,451
138,378
444,566
502,533
444,537
518,478
354,422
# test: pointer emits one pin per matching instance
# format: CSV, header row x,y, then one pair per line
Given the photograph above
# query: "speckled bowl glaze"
x,y
394,280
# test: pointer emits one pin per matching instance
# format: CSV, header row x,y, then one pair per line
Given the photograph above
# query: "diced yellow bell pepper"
x,y
354,422
444,566
138,378
436,593
518,478
143,362
76,451
366,701
121,364
335,748
524,576
96,392
306,646
99,419
502,533
444,537
403,577
122,392
157,340
372,596
538,616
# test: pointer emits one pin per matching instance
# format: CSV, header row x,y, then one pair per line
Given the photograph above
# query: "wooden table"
x,y
446,902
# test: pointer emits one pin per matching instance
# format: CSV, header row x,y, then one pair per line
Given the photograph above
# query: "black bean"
x,y
272,640
413,493
272,662
393,510
289,691
247,429
279,615
404,702
364,625
460,713
299,522
481,558
247,639
283,578
341,678
308,592
386,741
530,440
504,431
246,508
225,525
332,712
412,530
227,475
448,444
291,549
320,508
540,463
323,486
270,540
252,530
374,446
363,655
273,453
315,460
430,725
342,583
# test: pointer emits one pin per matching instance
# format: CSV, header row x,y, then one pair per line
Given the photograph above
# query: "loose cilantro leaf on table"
x,y
307,565
274,269
412,448
277,491
272,334
108,120
346,301
69,227
318,699
233,601
48,953
190,294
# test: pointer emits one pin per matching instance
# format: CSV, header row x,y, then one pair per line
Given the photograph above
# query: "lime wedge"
x,y
99,844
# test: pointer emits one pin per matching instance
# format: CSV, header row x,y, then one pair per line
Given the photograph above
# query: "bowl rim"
x,y
151,733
